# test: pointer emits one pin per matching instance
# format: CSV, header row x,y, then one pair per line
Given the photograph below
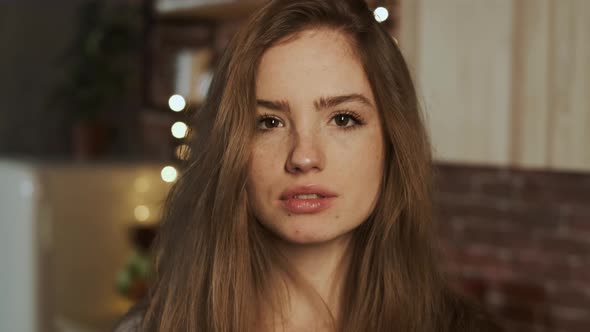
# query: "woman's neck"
x,y
322,268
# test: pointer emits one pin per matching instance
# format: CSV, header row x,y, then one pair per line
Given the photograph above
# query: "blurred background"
x,y
95,101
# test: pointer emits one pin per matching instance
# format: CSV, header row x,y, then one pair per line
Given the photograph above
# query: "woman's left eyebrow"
x,y
333,101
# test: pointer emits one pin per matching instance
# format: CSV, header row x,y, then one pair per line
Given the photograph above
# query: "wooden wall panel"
x,y
530,83
504,82
569,135
464,70
551,105
408,33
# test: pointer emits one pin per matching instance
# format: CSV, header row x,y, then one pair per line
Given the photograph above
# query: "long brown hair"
x,y
212,257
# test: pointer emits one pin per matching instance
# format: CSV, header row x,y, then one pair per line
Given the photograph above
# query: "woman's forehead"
x,y
318,62
316,43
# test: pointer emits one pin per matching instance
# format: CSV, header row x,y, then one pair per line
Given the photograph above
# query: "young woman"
x,y
305,205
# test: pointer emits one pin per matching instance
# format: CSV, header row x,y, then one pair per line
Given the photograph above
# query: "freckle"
x,y
337,216
289,214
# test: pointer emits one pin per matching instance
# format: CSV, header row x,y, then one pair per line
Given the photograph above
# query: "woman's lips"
x,y
308,205
292,203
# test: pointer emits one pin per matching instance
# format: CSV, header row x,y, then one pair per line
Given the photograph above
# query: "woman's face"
x,y
318,129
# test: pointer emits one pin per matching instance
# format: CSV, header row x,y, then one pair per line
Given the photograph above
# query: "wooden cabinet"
x,y
504,82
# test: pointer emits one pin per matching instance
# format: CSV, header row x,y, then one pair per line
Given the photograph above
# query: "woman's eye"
x,y
268,122
344,120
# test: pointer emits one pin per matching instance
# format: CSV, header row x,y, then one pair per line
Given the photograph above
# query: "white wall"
x,y
18,257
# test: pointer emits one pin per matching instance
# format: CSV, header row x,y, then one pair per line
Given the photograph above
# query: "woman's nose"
x,y
305,154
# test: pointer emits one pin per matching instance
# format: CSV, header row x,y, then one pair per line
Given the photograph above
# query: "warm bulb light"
x,y
179,129
381,14
177,103
169,174
183,152
142,213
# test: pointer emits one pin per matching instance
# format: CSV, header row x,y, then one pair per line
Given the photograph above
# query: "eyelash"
x,y
355,117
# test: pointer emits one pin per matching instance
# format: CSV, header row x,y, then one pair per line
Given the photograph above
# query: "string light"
x,y
381,14
169,174
142,213
177,103
183,152
179,129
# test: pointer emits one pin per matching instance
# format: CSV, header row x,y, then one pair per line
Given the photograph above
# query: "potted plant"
x,y
133,280
99,71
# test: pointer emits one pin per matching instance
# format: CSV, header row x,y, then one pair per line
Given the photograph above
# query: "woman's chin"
x,y
308,235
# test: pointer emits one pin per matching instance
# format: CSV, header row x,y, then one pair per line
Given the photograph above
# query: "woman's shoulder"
x,y
131,321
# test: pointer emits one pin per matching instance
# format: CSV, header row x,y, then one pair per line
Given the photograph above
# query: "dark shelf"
x,y
212,10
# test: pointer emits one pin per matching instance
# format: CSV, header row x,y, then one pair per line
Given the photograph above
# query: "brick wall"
x,y
519,242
